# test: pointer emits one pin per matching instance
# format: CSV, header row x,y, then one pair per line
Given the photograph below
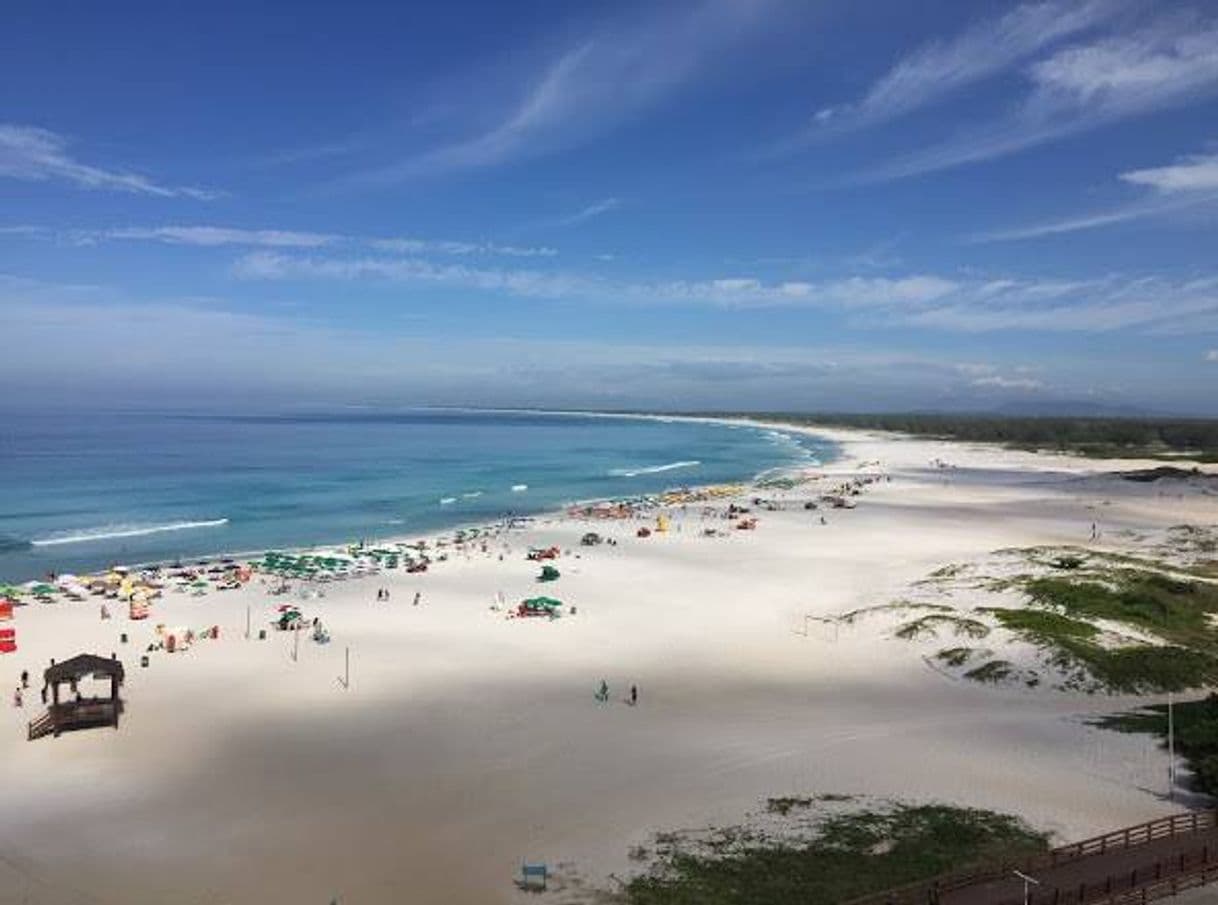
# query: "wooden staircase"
x,y
44,725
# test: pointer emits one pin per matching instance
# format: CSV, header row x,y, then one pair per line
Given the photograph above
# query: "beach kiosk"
x,y
79,712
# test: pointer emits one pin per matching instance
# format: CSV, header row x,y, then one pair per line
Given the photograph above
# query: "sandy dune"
x,y
467,741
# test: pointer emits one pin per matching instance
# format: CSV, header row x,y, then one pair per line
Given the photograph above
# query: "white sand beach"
x,y
468,741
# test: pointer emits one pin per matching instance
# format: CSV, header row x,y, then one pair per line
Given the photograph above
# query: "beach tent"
x,y
591,539
548,573
540,606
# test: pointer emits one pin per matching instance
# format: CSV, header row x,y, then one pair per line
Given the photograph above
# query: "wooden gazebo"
x,y
79,712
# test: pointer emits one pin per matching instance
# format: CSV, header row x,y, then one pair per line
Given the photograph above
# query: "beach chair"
x,y
533,876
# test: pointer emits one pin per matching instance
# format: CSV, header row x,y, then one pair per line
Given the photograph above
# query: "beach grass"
x,y
1175,609
929,627
846,855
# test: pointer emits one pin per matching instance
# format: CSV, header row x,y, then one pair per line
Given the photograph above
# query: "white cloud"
x,y
999,382
1190,183
942,67
1081,87
219,236
593,85
39,155
212,236
264,265
592,210
1211,355
1192,174
972,305
432,246
847,293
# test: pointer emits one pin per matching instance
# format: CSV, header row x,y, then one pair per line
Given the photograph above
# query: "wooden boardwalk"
x,y
1130,866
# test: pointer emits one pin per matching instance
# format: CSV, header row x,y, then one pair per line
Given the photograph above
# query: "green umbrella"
x,y
42,589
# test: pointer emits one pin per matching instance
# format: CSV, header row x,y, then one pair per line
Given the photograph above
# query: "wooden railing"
x,y
927,891
1161,890
1128,885
43,725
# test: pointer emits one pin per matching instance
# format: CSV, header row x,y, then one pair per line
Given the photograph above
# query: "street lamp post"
x,y
1026,888
1171,748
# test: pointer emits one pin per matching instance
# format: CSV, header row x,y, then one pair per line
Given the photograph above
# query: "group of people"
x,y
382,596
602,693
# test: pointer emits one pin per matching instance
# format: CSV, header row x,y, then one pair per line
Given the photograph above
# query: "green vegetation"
x,y
929,626
898,606
955,657
1041,627
994,671
1174,438
1173,609
847,855
1196,734
1143,669
1177,611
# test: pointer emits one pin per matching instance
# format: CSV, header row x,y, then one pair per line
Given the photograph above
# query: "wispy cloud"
x,y
997,381
1190,183
604,206
1081,87
930,301
211,236
1211,355
851,292
38,155
941,68
218,236
610,77
432,246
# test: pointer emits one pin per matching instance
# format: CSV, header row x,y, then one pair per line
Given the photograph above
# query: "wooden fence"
x,y
927,892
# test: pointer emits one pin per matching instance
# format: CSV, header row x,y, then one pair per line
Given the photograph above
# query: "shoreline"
x,y
433,534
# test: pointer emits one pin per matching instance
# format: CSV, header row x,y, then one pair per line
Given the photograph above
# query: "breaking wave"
x,y
117,531
654,469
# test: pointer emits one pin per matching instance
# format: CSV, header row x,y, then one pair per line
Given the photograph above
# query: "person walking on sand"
x,y
602,693
634,695
18,700
418,595
25,678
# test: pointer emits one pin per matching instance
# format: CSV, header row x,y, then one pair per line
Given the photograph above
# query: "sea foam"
x,y
117,531
654,469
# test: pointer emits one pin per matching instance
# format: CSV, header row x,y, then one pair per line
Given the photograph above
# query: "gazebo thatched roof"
x,y
83,665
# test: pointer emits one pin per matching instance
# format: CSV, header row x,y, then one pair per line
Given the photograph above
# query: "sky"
x,y
725,204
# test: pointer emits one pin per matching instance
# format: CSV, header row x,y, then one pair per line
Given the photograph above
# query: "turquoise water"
x,y
80,492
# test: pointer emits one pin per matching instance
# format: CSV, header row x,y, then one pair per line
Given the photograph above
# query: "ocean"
x,y
79,492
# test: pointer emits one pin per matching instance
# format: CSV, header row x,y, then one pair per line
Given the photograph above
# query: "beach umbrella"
x,y
10,591
41,590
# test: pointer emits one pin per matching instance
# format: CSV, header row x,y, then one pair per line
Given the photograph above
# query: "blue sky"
x,y
721,204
